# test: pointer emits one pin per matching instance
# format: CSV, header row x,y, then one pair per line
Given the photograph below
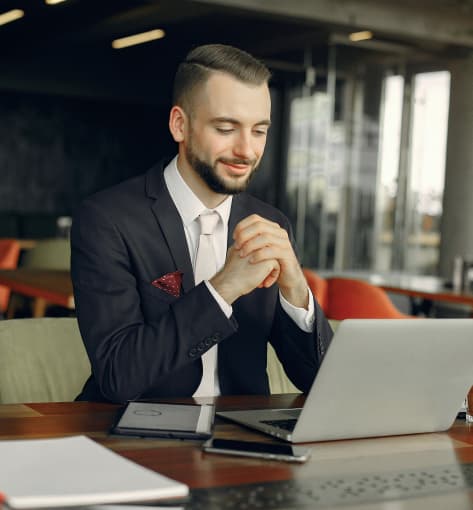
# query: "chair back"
x,y
9,254
356,299
318,286
41,360
278,380
49,254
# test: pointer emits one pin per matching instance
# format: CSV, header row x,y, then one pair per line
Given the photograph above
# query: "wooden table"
x,y
44,286
428,288
27,244
387,469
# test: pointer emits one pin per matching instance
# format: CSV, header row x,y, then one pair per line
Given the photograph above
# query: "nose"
x,y
243,147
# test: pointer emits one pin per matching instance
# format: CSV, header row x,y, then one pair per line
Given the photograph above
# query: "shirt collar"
x,y
187,203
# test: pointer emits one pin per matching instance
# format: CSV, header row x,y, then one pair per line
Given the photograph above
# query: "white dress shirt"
x,y
190,207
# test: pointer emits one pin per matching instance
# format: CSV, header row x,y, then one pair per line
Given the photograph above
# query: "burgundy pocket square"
x,y
170,283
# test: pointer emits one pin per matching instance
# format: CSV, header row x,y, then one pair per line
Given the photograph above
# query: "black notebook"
x,y
151,419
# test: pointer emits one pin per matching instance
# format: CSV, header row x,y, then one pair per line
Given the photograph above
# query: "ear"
x,y
177,123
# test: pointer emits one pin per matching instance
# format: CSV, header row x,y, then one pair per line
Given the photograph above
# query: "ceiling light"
x,y
361,36
54,2
138,38
12,15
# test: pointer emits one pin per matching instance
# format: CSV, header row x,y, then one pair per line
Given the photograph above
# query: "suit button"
x,y
216,337
200,347
208,342
193,353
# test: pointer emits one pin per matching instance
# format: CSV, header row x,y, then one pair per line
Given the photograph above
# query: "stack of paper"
x,y
76,471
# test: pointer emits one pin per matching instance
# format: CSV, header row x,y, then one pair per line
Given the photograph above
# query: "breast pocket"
x,y
154,301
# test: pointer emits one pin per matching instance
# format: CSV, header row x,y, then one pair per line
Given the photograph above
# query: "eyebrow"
x,y
230,120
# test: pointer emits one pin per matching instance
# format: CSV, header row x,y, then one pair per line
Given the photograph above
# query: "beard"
x,y
208,172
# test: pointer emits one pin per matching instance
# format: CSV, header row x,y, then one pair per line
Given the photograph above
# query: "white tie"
x,y
205,268
205,260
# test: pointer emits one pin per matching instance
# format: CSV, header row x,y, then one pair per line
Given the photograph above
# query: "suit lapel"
x,y
171,225
237,213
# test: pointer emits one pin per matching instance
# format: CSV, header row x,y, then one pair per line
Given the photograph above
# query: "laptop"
x,y
379,377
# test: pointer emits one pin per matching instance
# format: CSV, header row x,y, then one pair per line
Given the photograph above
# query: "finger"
x,y
268,231
253,226
284,255
266,267
271,279
275,272
257,224
245,222
264,240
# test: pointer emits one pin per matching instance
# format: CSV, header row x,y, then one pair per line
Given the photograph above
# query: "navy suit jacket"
x,y
146,343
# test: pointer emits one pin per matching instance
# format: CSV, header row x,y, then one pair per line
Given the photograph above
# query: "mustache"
x,y
238,161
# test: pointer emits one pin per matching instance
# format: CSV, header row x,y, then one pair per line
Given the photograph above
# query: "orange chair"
x,y
319,288
346,298
356,299
9,254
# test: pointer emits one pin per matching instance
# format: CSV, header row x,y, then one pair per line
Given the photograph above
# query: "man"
x,y
148,323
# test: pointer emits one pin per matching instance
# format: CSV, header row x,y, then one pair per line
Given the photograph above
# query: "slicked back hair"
x,y
202,61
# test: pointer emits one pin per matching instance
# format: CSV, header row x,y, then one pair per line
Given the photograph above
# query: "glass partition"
x,y
366,166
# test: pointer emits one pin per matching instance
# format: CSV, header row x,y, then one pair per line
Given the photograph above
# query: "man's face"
x,y
227,132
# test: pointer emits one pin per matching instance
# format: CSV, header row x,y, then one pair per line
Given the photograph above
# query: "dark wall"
x,y
54,150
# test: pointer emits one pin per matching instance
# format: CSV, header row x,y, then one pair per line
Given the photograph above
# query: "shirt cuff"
x,y
303,318
226,308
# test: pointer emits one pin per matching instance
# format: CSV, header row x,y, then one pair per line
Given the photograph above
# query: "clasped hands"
x,y
261,255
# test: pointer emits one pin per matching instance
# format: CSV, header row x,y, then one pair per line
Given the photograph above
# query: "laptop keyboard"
x,y
282,424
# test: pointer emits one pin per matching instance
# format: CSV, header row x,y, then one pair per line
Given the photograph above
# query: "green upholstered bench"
x,y
41,360
278,380
44,360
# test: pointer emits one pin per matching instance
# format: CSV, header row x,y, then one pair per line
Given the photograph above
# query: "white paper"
x,y
76,471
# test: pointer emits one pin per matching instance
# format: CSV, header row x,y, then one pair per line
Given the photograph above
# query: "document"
x,y
76,471
154,419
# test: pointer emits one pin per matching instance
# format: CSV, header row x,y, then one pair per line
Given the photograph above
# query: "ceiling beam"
x,y
439,22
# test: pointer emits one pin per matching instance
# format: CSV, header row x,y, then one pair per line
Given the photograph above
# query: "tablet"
x,y
151,419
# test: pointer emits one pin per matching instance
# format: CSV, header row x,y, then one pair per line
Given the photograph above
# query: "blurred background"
x,y
371,149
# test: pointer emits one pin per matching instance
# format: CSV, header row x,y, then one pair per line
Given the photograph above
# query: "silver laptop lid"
x,y
388,377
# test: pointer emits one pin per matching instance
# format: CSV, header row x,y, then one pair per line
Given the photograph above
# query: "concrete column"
x,y
457,219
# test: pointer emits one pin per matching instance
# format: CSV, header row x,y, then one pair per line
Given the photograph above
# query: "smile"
x,y
237,168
